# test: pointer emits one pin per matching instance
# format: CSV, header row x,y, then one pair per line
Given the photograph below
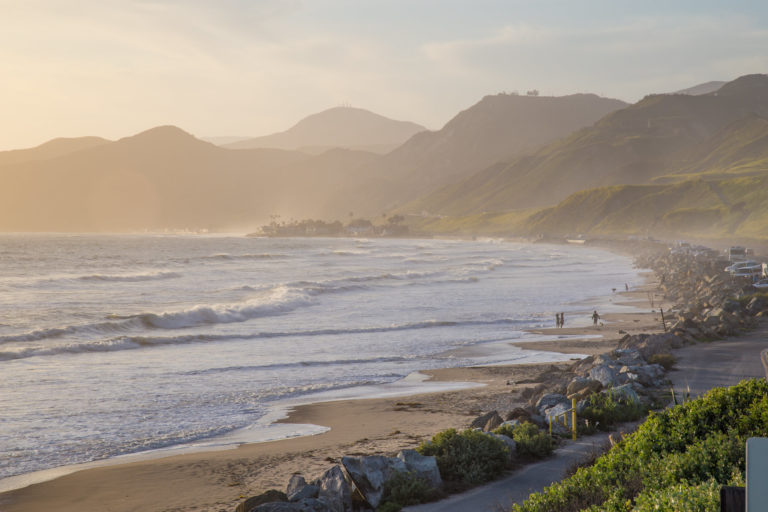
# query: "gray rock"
x,y
582,387
278,507
255,501
556,414
604,374
335,490
298,489
508,442
422,465
650,375
629,356
625,393
483,420
369,474
549,400
305,505
510,423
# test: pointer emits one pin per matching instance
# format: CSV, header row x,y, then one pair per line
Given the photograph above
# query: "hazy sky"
x,y
251,67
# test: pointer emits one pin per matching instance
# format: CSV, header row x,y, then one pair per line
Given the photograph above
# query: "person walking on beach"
x,y
595,317
557,320
562,320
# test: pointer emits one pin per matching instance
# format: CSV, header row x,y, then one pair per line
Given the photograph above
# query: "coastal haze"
x,y
211,215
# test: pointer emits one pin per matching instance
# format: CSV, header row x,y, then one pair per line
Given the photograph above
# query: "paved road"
x,y
721,363
516,487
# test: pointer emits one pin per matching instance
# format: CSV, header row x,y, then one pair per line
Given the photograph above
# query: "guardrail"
x,y
552,418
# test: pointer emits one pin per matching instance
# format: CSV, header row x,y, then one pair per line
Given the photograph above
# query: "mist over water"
x,y
118,344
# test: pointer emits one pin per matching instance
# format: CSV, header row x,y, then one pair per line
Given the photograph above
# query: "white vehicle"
x,y
761,284
741,266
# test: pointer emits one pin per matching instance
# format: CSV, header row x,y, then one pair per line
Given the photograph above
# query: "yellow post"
x,y
573,417
549,417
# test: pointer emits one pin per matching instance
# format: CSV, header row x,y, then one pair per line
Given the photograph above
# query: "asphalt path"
x,y
516,487
704,366
699,368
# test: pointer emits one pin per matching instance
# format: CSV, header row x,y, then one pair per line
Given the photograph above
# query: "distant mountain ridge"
x,y
496,129
661,135
51,149
339,127
705,88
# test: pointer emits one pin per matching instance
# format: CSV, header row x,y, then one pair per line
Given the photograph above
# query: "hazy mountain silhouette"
x,y
705,88
497,128
166,178
51,149
661,135
339,127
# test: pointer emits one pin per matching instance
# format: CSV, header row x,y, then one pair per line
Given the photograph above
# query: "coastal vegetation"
x,y
467,458
676,460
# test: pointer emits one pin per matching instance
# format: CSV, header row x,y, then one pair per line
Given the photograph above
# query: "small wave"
x,y
227,256
299,364
125,342
130,277
350,252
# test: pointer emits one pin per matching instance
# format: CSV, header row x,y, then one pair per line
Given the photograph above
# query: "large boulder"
x,y
606,375
508,442
298,489
267,497
625,394
581,387
424,466
650,375
335,490
369,474
628,356
491,419
305,505
550,400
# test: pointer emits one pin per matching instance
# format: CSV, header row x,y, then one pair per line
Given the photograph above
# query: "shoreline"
x,y
216,478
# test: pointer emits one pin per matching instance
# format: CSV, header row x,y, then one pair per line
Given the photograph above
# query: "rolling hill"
x,y
496,129
340,127
165,178
662,138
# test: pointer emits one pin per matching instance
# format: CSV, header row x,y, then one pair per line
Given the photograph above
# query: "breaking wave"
x,y
126,342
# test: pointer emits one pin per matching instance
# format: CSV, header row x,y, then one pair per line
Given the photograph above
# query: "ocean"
x,y
115,345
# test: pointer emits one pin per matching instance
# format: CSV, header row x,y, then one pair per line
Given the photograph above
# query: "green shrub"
x,y
704,497
468,458
673,457
532,443
666,360
404,489
604,410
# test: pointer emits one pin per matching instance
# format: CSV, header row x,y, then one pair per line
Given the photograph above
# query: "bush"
x,y
666,360
703,497
604,410
674,460
404,489
468,458
532,443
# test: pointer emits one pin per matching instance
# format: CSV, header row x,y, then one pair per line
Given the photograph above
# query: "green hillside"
x,y
698,208
661,139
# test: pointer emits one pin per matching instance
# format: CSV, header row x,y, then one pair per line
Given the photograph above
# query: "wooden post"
x,y
663,322
549,417
573,417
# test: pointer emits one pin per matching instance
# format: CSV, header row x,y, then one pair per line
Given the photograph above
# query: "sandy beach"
x,y
214,481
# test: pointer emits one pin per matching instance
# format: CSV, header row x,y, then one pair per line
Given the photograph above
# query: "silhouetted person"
x,y
557,319
626,286
595,317
562,319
